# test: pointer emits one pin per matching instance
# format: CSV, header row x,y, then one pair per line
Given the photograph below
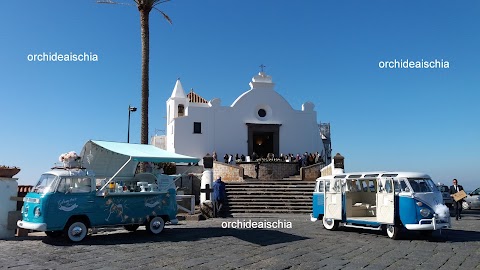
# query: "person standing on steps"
x,y
219,196
257,169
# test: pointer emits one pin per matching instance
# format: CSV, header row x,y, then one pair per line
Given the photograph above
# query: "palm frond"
x,y
112,2
160,2
164,15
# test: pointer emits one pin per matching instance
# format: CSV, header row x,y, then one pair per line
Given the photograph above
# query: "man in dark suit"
x,y
458,204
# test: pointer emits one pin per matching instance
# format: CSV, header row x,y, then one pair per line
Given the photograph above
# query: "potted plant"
x,y
8,172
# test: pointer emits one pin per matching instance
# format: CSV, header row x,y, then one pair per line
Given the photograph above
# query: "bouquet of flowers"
x,y
69,159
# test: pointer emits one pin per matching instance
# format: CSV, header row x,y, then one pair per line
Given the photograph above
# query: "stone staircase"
x,y
273,196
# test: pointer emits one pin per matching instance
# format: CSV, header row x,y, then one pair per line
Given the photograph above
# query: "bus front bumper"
x,y
429,224
32,226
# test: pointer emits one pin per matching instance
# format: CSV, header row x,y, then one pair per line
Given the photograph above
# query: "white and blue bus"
x,y
380,200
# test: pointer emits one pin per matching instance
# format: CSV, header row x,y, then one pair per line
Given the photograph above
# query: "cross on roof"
x,y
262,66
206,190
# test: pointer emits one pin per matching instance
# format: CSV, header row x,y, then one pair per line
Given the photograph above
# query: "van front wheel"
x,y
393,231
76,231
156,225
330,223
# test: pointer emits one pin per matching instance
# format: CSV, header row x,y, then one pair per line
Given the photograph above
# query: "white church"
x,y
260,120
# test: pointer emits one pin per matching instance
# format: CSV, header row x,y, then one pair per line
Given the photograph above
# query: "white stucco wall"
x,y
8,188
224,128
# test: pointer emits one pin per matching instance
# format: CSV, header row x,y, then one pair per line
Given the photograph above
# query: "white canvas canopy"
x,y
106,158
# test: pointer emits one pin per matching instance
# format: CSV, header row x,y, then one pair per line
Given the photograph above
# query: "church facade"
x,y
260,120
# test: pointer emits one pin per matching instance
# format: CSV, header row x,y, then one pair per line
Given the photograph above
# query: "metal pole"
x,y
128,134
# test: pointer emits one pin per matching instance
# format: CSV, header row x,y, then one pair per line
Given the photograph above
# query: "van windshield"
x,y
45,184
422,185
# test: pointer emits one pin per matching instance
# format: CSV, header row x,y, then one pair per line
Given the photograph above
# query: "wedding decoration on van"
x,y
70,159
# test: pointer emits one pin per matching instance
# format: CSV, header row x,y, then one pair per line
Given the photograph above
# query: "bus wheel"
x,y
330,223
131,227
76,231
393,231
54,234
156,225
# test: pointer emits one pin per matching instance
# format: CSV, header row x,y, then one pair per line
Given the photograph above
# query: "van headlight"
x,y
425,212
38,212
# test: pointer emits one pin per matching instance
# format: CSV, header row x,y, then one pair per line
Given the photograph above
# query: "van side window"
x,y
320,186
74,185
352,185
388,186
336,185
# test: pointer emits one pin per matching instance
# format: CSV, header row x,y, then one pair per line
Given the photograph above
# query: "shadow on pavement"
x,y
261,237
446,235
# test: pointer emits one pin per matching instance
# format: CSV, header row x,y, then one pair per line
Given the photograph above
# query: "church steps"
x,y
270,210
270,187
273,196
268,197
261,197
252,186
276,182
265,211
270,191
248,204
277,206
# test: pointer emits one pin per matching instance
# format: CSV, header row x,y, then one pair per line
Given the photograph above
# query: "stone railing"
x,y
327,170
228,172
311,172
269,170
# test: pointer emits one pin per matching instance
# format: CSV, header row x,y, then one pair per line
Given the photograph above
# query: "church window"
x,y
197,127
181,110
262,113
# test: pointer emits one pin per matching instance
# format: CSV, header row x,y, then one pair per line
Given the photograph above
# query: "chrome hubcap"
x,y
156,225
77,231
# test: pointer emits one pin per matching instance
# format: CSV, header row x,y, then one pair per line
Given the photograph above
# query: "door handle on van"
x,y
90,201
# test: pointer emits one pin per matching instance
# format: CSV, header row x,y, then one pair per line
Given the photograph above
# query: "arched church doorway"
x,y
263,139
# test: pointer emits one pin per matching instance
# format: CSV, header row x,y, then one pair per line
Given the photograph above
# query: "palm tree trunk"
x,y
145,31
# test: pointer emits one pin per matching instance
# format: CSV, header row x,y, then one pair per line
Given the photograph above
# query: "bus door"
x,y
333,199
385,200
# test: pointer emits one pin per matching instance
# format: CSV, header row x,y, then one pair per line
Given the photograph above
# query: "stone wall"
x,y
269,170
182,169
327,170
311,172
228,172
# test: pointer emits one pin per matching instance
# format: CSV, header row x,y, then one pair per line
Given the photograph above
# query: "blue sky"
x,y
326,52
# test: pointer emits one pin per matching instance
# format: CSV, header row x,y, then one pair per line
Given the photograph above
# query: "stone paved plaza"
x,y
206,245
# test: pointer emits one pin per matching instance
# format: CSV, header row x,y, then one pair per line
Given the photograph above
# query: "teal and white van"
x,y
103,191
392,201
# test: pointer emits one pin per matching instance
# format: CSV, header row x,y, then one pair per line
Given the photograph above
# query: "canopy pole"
x,y
111,178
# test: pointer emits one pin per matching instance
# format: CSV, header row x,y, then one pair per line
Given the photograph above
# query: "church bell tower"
x,y
177,104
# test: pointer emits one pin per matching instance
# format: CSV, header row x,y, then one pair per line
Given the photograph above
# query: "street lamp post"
x,y
130,109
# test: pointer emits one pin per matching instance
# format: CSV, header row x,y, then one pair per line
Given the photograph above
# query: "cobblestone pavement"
x,y
206,245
